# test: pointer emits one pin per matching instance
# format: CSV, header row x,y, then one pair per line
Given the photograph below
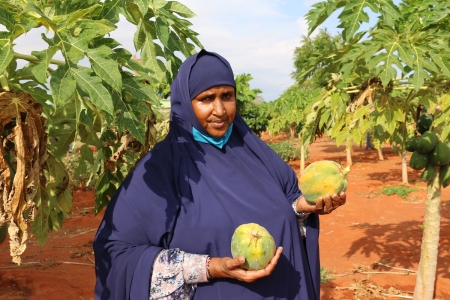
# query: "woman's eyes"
x,y
225,96
207,99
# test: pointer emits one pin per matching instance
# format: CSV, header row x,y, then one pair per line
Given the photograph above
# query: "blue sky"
x,y
255,36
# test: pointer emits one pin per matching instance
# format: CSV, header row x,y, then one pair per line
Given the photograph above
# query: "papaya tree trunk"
x,y
348,151
404,167
380,154
302,154
426,274
292,130
270,135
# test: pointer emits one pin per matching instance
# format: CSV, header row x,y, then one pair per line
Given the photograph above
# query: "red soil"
x,y
371,233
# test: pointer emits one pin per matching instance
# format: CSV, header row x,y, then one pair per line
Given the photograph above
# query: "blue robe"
x,y
192,196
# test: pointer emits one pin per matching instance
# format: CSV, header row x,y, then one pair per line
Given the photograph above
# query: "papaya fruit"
x,y
255,243
445,175
425,121
429,172
418,161
421,129
410,144
426,142
322,178
440,155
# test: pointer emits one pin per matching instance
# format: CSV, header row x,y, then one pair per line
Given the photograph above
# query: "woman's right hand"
x,y
227,267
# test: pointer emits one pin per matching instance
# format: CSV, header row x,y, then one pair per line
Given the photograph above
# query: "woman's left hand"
x,y
323,206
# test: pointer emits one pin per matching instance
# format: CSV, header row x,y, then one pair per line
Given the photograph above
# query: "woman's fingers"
x,y
329,203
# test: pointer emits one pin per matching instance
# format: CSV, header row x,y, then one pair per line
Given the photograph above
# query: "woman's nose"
x,y
218,107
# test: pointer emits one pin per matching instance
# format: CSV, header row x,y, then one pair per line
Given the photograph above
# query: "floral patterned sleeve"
x,y
176,274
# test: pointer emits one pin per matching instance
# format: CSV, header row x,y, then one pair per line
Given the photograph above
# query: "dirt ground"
x,y
370,246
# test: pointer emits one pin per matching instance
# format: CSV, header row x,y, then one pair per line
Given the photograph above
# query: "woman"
x,y
166,233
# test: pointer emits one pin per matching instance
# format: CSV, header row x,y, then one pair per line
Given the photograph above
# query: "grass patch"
x,y
401,190
325,275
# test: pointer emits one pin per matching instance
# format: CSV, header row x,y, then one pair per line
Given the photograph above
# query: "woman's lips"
x,y
217,124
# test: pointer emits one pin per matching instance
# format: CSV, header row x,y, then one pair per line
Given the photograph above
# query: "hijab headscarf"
x,y
192,196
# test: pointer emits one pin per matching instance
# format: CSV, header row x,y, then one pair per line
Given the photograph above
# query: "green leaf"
x,y
143,5
180,9
437,59
361,112
162,31
157,4
39,228
105,67
92,85
351,17
139,90
62,128
7,19
104,190
6,54
111,10
40,71
62,85
77,15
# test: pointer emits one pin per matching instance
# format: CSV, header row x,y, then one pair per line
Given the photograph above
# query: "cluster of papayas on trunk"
x,y
429,152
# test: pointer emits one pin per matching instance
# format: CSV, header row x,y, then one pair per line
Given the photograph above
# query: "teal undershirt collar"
x,y
206,139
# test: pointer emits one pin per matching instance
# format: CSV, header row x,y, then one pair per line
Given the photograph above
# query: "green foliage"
x,y
325,275
106,104
253,112
387,71
322,45
286,150
289,110
400,190
78,169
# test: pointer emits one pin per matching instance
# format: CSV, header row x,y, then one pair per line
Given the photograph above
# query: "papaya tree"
x,y
288,112
248,105
83,91
405,52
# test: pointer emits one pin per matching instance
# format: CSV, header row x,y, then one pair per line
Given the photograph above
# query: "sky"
x,y
257,37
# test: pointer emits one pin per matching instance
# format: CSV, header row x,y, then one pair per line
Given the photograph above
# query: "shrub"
x,y
285,150
325,275
400,190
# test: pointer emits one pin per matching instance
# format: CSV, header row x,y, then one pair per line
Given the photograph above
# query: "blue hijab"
x,y
191,195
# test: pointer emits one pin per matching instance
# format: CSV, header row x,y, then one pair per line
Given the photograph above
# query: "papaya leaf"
x,y
7,19
104,190
180,9
6,54
142,5
40,71
106,68
92,85
111,10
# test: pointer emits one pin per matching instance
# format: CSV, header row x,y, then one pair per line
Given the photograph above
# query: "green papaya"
x,y
410,144
418,161
440,155
429,172
421,129
445,175
426,142
425,121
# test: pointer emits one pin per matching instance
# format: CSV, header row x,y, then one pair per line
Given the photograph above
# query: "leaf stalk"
x,y
35,60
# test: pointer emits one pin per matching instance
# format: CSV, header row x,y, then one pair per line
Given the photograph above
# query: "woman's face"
x,y
215,109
